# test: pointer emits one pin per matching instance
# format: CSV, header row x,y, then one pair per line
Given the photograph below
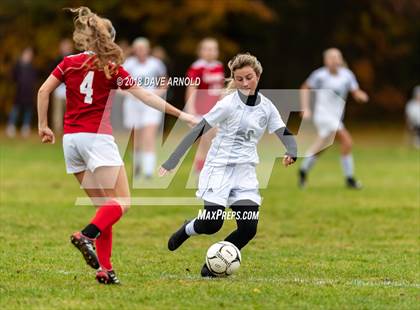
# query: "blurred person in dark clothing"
x,y
24,75
126,48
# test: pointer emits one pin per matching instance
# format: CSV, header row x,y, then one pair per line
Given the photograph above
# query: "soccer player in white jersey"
x,y
412,111
329,110
228,177
148,72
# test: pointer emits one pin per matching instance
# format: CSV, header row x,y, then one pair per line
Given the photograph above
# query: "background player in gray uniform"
x,y
334,81
146,70
228,177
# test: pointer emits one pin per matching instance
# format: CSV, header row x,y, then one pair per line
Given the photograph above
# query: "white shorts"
x,y
327,125
138,115
84,150
227,184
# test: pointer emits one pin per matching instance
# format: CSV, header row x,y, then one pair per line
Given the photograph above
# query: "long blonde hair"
x,y
96,34
238,62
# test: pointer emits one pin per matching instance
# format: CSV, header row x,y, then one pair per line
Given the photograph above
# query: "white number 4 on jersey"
x,y
86,87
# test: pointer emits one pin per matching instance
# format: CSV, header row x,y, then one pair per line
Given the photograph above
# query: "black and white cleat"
x,y
178,238
352,183
206,273
86,246
107,277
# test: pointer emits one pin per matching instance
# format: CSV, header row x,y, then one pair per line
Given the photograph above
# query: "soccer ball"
x,y
223,258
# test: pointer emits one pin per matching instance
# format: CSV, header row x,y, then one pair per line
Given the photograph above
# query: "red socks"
x,y
107,215
104,248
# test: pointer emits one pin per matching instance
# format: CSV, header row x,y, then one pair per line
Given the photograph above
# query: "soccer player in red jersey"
x,y
201,98
89,149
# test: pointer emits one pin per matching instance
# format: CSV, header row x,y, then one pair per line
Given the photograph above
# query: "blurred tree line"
x,y
379,38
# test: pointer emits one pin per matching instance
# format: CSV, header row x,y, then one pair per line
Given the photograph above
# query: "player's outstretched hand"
x,y
191,120
360,96
46,135
287,161
162,172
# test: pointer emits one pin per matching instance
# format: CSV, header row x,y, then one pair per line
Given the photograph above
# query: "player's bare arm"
x,y
46,134
190,99
360,96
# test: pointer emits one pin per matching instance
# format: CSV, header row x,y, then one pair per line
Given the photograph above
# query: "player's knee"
x,y
349,143
212,226
346,145
125,204
346,141
125,208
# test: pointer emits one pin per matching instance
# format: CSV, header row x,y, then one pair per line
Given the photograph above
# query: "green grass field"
x,y
324,247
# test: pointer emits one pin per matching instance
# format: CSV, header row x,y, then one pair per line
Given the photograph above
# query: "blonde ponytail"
x,y
96,34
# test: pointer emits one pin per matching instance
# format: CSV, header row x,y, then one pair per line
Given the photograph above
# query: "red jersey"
x,y
212,77
88,102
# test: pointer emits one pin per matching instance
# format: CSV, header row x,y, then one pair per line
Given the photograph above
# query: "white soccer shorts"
x,y
83,151
227,184
327,125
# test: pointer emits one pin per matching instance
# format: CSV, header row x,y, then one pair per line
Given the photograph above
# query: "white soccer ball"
x,y
223,258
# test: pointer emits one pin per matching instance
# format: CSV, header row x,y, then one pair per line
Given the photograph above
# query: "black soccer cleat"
x,y
352,183
107,277
178,238
206,273
86,247
302,179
